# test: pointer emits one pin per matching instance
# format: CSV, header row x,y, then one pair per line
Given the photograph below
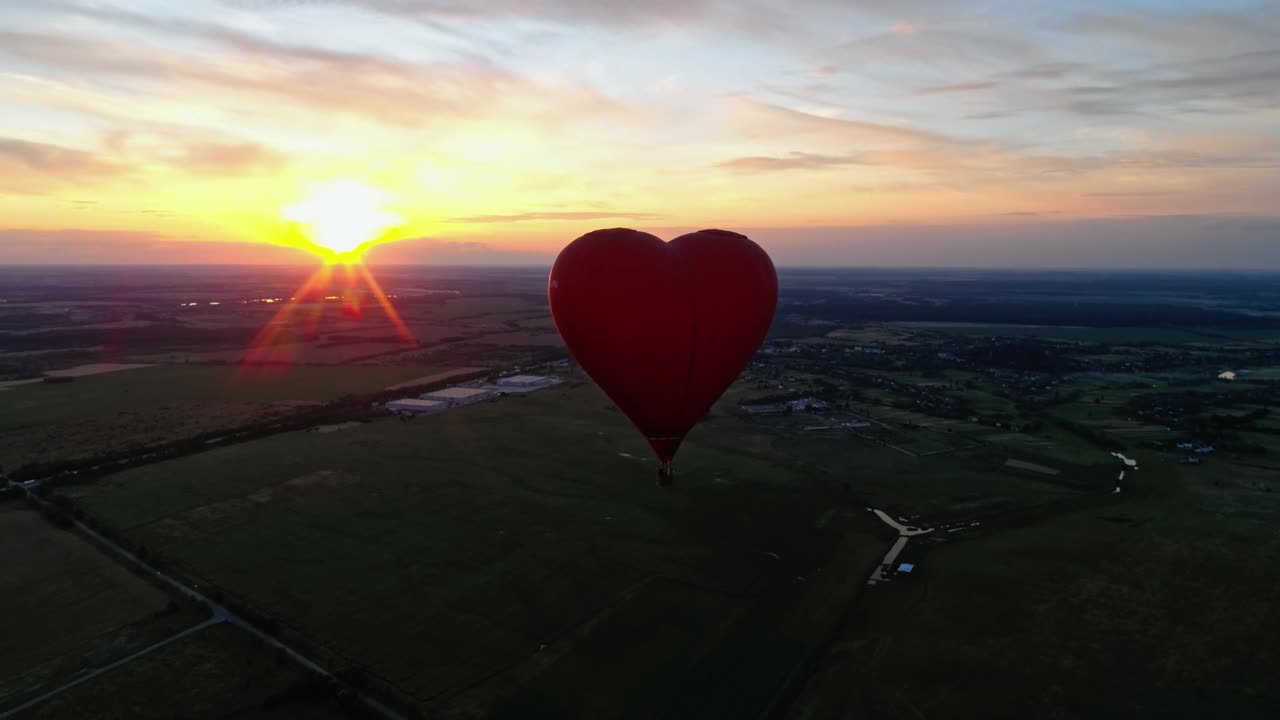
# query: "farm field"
x,y
64,583
477,534
1095,593
1116,335
514,559
219,671
148,405
66,607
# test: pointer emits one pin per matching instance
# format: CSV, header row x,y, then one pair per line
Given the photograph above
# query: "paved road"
x,y
902,529
1128,463
905,533
219,613
108,668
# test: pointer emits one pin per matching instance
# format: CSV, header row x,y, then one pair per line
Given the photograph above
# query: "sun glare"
x,y
342,218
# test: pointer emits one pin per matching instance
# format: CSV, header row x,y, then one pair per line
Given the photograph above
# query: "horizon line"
x,y
533,266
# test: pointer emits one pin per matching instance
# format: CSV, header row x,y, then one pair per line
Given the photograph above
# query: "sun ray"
x,y
402,330
338,221
262,346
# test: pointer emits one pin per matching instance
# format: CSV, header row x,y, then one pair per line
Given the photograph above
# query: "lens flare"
x,y
342,218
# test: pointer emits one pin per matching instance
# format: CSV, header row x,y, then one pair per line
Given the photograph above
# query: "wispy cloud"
x,y
567,215
534,116
243,70
962,44
790,161
1189,34
758,119
1130,193
34,167
1222,84
55,159
236,158
112,247
955,88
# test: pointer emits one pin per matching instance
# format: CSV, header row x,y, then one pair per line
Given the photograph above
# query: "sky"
x,y
1117,133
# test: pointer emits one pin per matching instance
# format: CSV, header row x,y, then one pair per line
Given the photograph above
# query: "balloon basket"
x,y
665,475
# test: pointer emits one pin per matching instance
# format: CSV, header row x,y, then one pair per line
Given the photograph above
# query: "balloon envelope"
x,y
663,328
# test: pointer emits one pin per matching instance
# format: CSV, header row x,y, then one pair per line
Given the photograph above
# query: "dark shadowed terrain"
x,y
951,493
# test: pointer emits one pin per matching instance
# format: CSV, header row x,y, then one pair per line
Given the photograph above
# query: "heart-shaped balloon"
x,y
663,328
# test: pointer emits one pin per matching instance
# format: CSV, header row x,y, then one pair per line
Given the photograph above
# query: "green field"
x,y
1052,445
217,672
1160,606
132,407
65,607
442,551
1115,336
1259,373
471,307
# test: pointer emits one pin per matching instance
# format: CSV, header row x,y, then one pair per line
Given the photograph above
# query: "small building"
x,y
906,567
806,404
779,408
459,396
524,381
1227,375
417,406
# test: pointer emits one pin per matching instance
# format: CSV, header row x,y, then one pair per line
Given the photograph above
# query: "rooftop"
x,y
457,393
522,379
416,403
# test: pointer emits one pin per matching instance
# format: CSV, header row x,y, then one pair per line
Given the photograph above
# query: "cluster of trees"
x,y
347,407
142,337
1025,355
1012,309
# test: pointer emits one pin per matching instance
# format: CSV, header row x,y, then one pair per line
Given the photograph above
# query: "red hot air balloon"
x,y
663,328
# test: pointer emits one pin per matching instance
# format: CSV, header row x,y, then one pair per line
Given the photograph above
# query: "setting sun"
x,y
342,217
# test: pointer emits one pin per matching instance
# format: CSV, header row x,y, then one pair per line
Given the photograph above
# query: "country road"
x,y
218,613
108,668
902,529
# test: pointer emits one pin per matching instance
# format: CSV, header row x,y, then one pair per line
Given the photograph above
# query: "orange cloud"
x,y
33,167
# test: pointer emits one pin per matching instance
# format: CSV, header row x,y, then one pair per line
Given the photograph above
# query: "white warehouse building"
x,y
525,381
458,396
417,406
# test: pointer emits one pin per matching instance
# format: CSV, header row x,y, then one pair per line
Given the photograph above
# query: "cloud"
x,y
807,92
234,72
955,87
46,158
790,161
1152,242
240,158
959,43
20,246
432,251
763,120
1161,159
1043,71
1224,84
1129,194
1188,34
34,167
570,215
759,18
